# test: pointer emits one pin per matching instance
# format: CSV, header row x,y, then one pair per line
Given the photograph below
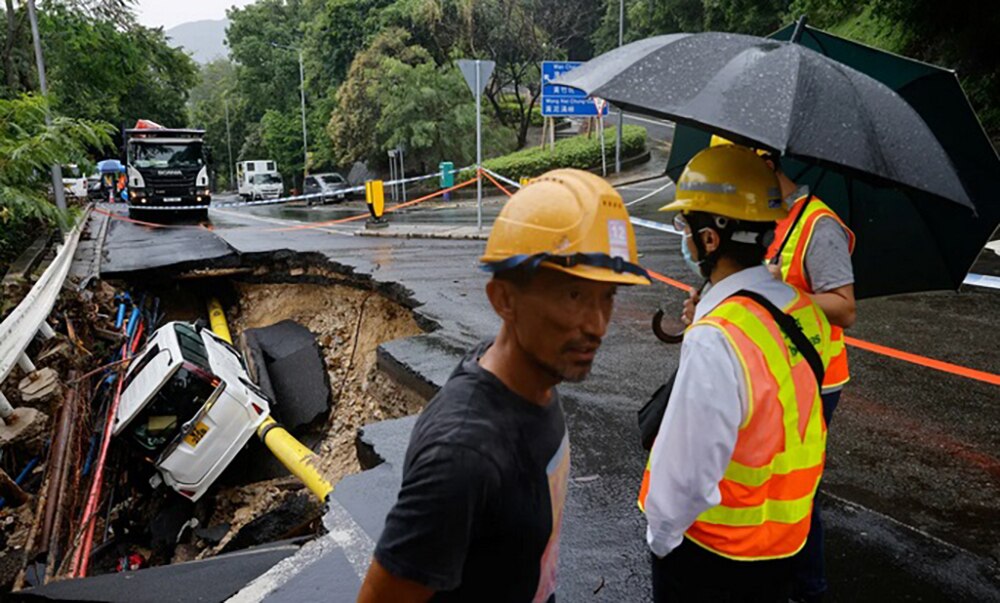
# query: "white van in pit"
x,y
189,406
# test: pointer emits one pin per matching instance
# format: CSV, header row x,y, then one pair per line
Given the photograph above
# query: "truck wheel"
x,y
136,214
201,214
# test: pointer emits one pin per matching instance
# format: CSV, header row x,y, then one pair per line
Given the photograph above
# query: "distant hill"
x,y
203,40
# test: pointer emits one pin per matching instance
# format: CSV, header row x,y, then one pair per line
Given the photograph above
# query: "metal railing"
x,y
28,319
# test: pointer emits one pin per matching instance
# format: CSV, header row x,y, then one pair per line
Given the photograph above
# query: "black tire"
x,y
200,214
136,214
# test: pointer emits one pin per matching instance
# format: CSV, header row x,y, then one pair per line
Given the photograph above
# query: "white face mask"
x,y
692,264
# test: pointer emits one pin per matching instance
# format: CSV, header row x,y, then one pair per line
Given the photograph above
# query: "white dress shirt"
x,y
706,410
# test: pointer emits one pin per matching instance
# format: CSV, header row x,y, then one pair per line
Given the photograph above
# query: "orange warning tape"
x,y
939,365
875,348
498,185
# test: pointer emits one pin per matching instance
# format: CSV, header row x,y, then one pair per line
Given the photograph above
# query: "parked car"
x,y
333,187
74,181
188,406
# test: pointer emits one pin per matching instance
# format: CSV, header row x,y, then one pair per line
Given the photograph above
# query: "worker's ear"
x,y
710,239
502,295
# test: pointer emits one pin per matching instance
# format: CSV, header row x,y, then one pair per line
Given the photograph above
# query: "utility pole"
x,y
305,140
479,145
302,94
229,144
57,185
621,118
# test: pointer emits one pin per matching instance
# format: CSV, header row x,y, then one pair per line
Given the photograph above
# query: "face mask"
x,y
694,266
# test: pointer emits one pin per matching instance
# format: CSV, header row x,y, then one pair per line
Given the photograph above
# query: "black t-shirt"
x,y
484,484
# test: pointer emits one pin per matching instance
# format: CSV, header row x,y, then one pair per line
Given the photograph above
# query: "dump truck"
x,y
167,168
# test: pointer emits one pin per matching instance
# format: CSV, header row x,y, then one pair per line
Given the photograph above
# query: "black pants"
x,y
692,574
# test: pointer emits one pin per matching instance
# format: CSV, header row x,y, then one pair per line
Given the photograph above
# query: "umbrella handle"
x,y
661,333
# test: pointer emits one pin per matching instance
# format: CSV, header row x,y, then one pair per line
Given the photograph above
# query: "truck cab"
x,y
167,168
188,406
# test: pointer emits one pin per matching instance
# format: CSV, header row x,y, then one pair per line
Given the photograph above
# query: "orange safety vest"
x,y
793,246
768,488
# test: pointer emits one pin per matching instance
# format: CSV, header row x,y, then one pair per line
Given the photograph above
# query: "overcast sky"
x,y
167,13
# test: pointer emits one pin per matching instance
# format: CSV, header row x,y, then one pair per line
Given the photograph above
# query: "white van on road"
x,y
258,179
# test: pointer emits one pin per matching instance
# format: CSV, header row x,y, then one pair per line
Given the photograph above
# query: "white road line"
x,y
281,222
648,195
656,122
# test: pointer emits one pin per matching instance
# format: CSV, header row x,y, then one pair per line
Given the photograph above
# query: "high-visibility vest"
x,y
768,488
791,239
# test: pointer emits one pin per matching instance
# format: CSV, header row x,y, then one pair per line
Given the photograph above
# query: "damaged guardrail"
x,y
28,319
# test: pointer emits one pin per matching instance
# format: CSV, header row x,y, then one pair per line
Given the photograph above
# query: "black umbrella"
x,y
853,132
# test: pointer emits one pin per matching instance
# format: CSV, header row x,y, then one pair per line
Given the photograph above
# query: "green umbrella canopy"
x,y
907,241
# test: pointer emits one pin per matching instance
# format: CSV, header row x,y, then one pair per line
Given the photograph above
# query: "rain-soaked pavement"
x,y
913,474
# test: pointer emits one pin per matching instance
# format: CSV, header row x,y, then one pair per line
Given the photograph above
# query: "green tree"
x,y
267,76
101,65
210,99
29,148
396,95
281,135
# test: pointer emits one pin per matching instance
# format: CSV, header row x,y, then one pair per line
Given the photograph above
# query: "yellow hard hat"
x,y
732,181
718,141
567,220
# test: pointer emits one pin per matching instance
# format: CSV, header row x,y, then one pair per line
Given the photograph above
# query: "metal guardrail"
x,y
28,318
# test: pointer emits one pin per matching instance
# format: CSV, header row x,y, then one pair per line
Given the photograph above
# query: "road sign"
x,y
476,74
468,69
563,100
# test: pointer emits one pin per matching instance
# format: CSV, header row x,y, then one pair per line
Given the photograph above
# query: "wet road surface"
x,y
913,473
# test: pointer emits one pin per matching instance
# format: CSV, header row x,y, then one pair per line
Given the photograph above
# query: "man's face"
x,y
559,321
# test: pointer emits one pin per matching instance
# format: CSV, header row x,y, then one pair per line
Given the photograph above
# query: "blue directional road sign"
x,y
563,100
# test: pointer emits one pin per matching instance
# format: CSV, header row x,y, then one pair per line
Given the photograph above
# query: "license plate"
x,y
171,199
196,435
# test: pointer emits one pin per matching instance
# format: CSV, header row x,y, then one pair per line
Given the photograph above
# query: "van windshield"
x,y
267,179
177,402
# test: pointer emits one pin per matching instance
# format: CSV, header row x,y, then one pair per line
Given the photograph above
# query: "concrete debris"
x,y
26,427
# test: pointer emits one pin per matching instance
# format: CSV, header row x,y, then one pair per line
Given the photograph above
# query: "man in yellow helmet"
x,y
728,489
484,481
812,251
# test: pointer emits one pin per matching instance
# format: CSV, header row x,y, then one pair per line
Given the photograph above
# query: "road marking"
x,y
648,195
656,122
280,221
994,246
343,533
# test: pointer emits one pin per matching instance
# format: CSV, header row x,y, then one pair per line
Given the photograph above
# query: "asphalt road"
x,y
913,474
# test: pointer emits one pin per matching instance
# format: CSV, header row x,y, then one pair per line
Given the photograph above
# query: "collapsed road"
x,y
913,475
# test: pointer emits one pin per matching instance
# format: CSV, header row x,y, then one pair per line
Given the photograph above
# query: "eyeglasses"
x,y
680,223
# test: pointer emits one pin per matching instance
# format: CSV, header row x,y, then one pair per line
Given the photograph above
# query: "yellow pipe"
x,y
294,456
217,319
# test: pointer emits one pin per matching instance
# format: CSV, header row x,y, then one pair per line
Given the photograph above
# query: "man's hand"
x,y
687,316
775,270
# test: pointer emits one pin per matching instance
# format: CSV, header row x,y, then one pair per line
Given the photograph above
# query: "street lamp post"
x,y
621,119
229,145
57,185
302,94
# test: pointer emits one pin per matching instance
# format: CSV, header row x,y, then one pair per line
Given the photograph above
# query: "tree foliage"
x,y
29,148
100,64
396,95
